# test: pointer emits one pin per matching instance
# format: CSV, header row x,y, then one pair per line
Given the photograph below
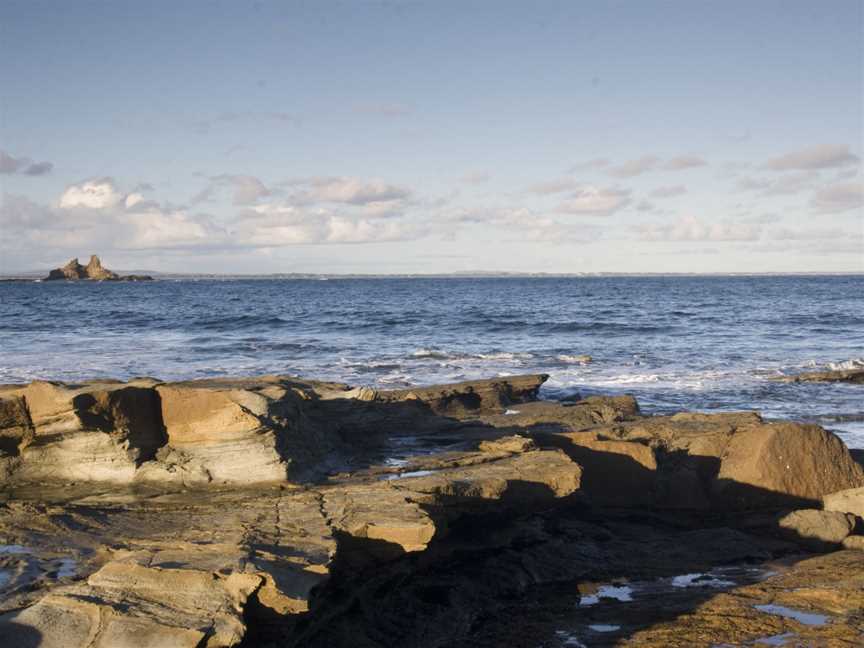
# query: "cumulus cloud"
x,y
838,198
690,228
10,165
644,206
278,224
99,193
669,192
684,162
809,234
822,156
96,214
375,195
595,201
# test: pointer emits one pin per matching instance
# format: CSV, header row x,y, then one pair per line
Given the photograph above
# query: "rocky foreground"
x,y
286,512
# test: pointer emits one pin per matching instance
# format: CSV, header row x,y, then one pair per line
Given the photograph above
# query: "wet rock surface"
x,y
289,512
855,376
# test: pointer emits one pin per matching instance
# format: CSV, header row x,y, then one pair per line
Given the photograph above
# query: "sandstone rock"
x,y
854,542
130,605
771,464
845,501
16,428
568,416
471,397
512,444
816,529
99,432
614,473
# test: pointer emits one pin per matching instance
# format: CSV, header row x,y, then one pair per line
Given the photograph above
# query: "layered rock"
x,y
508,494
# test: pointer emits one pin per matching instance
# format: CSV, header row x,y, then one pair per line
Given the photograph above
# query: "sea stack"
x,y
93,271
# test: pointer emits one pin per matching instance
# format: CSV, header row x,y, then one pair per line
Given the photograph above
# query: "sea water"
x,y
675,342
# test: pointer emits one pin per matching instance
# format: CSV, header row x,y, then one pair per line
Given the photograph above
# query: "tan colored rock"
x,y
614,473
96,432
845,501
470,397
854,542
816,529
568,416
130,605
777,464
515,444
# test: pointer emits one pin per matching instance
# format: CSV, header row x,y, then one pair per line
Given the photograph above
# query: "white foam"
x,y
573,359
569,639
700,580
510,412
851,363
603,627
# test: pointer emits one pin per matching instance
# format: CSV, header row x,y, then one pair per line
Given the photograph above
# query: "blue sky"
x,y
433,136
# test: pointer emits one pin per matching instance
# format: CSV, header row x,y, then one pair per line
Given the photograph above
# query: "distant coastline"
x,y
39,275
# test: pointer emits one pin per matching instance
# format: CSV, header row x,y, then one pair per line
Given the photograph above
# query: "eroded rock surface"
x,y
855,376
302,513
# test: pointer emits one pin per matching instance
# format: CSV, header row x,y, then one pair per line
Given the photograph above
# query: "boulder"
x,y
776,464
845,501
816,529
854,542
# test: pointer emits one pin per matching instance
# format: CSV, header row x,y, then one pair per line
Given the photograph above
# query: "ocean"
x,y
709,343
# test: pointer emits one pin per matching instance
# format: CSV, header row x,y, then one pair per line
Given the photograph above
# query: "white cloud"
x,y
838,198
823,156
348,191
99,193
246,189
690,228
595,201
278,224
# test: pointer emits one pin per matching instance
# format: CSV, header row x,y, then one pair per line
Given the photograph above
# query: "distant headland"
x,y
93,271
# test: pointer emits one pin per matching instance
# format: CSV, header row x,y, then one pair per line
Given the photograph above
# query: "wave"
x,y
852,363
492,356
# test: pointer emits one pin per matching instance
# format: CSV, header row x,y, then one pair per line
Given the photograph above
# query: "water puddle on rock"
x,y
804,618
777,640
603,611
410,473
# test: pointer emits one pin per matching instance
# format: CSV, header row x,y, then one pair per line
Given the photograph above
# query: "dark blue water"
x,y
707,343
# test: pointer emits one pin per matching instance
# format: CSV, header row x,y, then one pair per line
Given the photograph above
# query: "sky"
x,y
433,137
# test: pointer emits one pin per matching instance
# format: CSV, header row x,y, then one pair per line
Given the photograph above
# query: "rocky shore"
x,y
289,512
